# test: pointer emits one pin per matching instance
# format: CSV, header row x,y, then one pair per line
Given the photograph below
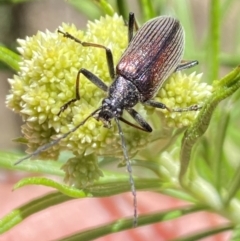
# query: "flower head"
x,y
81,171
47,80
182,91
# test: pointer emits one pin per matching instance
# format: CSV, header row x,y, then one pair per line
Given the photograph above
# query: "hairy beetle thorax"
x,y
122,94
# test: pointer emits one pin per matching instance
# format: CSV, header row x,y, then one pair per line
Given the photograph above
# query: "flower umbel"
x,y
181,91
46,81
81,171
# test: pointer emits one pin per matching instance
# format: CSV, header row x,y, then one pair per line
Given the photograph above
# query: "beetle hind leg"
x,y
186,65
160,105
186,109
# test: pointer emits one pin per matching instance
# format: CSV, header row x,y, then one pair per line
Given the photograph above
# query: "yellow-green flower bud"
x,y
82,171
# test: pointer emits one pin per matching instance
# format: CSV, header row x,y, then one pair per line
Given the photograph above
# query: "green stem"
x,y
69,191
124,224
106,186
7,161
184,14
106,7
205,233
214,41
147,9
122,8
233,187
217,157
229,60
37,205
10,58
236,233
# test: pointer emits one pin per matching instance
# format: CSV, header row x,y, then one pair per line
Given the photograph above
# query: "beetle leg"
x,y
156,104
109,55
131,124
189,108
139,119
93,78
131,25
163,106
186,64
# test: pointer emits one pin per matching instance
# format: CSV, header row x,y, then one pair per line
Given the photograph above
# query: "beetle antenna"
x,y
129,169
54,142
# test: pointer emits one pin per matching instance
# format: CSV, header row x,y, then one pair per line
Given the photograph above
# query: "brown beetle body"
x,y
153,55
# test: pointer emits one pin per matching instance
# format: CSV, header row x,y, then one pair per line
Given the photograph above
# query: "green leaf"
x,y
124,224
147,9
86,7
234,186
236,233
10,58
69,191
213,49
183,13
106,186
7,160
39,204
122,8
205,233
106,7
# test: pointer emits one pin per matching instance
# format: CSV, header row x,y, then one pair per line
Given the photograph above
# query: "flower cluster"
x,y
180,92
47,80
82,171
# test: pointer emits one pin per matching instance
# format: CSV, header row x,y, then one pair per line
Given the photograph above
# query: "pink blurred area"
x,y
73,216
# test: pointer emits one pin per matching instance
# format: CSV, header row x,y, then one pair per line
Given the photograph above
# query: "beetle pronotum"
x,y
153,54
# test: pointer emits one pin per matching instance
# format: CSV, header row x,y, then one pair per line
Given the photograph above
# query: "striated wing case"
x,y
153,54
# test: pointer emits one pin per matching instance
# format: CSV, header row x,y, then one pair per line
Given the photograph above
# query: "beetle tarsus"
x,y
186,109
65,106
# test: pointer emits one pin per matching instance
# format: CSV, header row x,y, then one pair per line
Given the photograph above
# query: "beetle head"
x,y
110,109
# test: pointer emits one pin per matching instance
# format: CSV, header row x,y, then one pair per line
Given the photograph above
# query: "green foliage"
x,y
10,58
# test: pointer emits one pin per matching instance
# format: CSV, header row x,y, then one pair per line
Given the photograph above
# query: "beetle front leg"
x,y
109,55
139,119
93,78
